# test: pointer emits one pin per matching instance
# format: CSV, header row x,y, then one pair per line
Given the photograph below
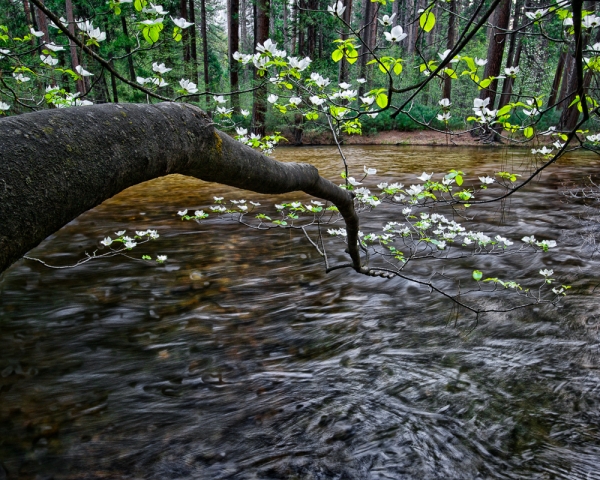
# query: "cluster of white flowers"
x,y
543,151
544,244
20,78
593,138
270,47
87,27
180,22
386,20
48,60
537,14
319,80
397,34
155,10
337,9
189,86
485,114
61,99
590,21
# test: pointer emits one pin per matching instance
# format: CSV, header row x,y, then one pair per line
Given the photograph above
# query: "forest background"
x,y
203,53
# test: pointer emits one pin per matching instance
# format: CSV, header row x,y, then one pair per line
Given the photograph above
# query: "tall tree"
x,y
496,50
514,53
347,17
204,34
72,46
185,36
131,70
259,109
233,17
450,39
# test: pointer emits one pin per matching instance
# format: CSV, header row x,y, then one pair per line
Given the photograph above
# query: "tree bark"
x,y
128,49
557,76
259,110
514,53
575,85
496,50
72,47
194,48
344,65
185,35
60,163
234,46
450,39
42,22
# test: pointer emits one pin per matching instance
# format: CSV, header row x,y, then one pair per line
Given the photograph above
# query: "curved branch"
x,y
56,164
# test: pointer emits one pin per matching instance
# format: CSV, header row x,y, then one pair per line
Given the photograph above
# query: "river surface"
x,y
240,358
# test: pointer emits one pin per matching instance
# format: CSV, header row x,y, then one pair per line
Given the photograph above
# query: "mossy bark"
x,y
56,164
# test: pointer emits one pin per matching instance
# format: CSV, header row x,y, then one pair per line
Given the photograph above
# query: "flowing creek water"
x,y
240,358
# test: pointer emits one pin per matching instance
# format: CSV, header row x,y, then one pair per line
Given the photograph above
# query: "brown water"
x,y
240,358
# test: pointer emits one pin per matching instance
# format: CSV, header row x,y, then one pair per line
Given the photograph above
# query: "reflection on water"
x,y
240,358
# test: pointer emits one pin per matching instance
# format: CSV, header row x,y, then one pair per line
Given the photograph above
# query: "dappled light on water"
x,y
240,358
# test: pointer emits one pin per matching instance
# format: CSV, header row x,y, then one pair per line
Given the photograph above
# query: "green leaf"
x,y
470,63
382,100
451,73
384,67
575,100
398,68
351,55
528,132
145,33
485,83
427,20
154,34
504,110
337,55
459,180
477,275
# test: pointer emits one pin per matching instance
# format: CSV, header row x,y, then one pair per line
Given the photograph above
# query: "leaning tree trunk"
x,y
58,163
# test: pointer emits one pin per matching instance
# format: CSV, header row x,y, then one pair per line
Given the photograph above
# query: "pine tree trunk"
x,y
343,68
72,46
496,50
204,33
259,109
570,114
128,49
234,46
514,55
185,36
557,77
450,39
